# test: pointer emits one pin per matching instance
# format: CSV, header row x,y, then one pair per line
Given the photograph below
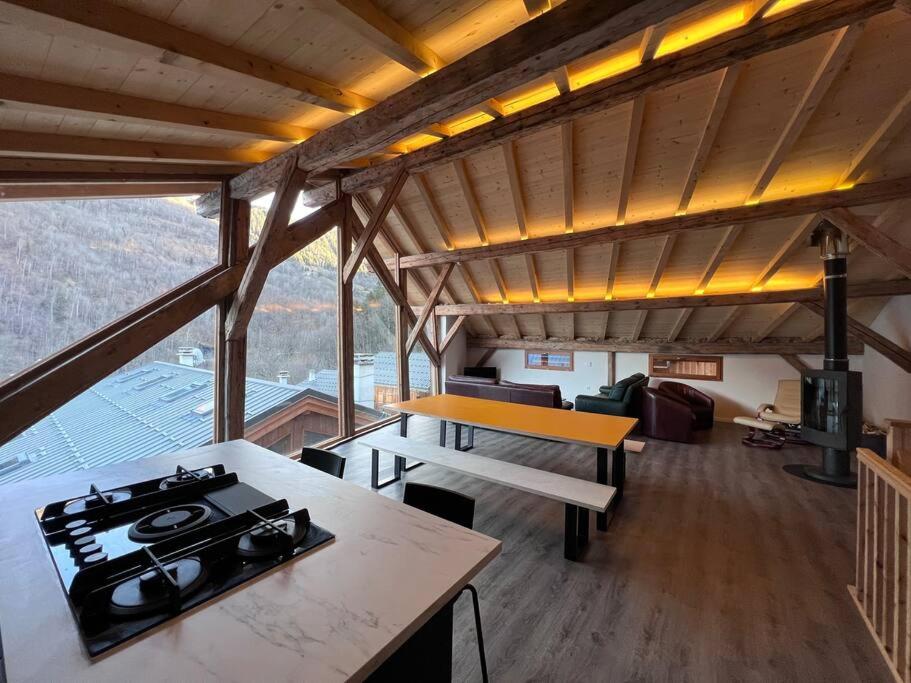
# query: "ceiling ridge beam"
x,y
781,30
20,142
813,294
113,105
106,24
828,70
860,195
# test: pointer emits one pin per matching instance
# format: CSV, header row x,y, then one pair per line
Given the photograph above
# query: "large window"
x,y
375,364
158,403
68,268
292,366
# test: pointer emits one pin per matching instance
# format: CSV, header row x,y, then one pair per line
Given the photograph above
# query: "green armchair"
x,y
623,398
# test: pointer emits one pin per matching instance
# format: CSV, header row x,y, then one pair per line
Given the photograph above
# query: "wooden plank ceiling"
x,y
232,86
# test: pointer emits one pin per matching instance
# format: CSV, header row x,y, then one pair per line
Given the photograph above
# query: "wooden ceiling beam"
x,y
439,220
640,323
532,269
663,257
796,240
777,321
901,357
726,82
451,333
855,290
570,274
42,95
679,324
17,142
724,323
874,239
896,121
828,70
377,218
566,136
731,233
535,8
21,192
860,195
534,49
775,347
498,278
474,208
634,129
515,187
30,170
427,310
613,255
778,31
794,361
383,33
277,220
103,23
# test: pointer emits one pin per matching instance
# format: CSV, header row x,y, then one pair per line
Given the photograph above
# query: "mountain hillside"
x,y
69,267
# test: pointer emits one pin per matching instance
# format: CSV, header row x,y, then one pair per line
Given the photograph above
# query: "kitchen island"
x,y
335,613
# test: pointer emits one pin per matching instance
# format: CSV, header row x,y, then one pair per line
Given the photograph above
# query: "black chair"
x,y
324,461
458,509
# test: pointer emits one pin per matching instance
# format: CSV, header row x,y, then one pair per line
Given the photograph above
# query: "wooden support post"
x,y
345,329
230,358
427,311
401,334
377,218
611,367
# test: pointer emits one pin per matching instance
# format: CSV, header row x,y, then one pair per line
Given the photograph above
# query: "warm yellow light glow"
x,y
569,230
757,288
846,186
650,295
608,297
469,122
537,300
523,237
703,29
450,247
570,299
530,99
620,222
505,301
783,5
613,66
485,243
414,142
751,202
680,212
699,292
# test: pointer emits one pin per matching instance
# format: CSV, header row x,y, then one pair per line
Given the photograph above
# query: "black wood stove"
x,y
132,557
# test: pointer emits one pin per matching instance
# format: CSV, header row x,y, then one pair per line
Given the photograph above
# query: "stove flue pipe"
x,y
833,250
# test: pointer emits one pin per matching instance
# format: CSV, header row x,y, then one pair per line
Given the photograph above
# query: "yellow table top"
x,y
590,429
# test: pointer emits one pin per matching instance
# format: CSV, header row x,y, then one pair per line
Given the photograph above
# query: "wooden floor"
x,y
717,567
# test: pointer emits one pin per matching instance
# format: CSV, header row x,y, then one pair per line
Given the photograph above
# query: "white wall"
x,y
887,388
748,380
454,359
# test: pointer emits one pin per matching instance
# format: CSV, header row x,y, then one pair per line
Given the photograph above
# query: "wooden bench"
x,y
578,495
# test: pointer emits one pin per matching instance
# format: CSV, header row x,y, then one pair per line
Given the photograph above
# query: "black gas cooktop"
x,y
132,557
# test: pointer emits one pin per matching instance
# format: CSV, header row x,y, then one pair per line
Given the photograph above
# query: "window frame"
x,y
545,355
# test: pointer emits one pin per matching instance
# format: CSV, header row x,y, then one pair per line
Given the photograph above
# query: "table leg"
x,y
400,465
618,471
575,534
458,438
601,517
375,482
443,433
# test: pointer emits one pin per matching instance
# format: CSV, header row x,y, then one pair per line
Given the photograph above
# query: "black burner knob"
x,y
75,524
96,558
89,549
83,540
78,532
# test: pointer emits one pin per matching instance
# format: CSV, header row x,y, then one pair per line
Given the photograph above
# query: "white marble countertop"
x,y
335,613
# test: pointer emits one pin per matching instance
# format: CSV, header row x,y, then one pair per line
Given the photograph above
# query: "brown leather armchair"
x,y
665,416
703,406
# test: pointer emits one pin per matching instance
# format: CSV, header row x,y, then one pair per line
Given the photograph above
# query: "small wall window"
x,y
549,360
686,367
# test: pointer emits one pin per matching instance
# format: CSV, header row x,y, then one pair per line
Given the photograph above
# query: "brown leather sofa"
x,y
674,413
546,395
